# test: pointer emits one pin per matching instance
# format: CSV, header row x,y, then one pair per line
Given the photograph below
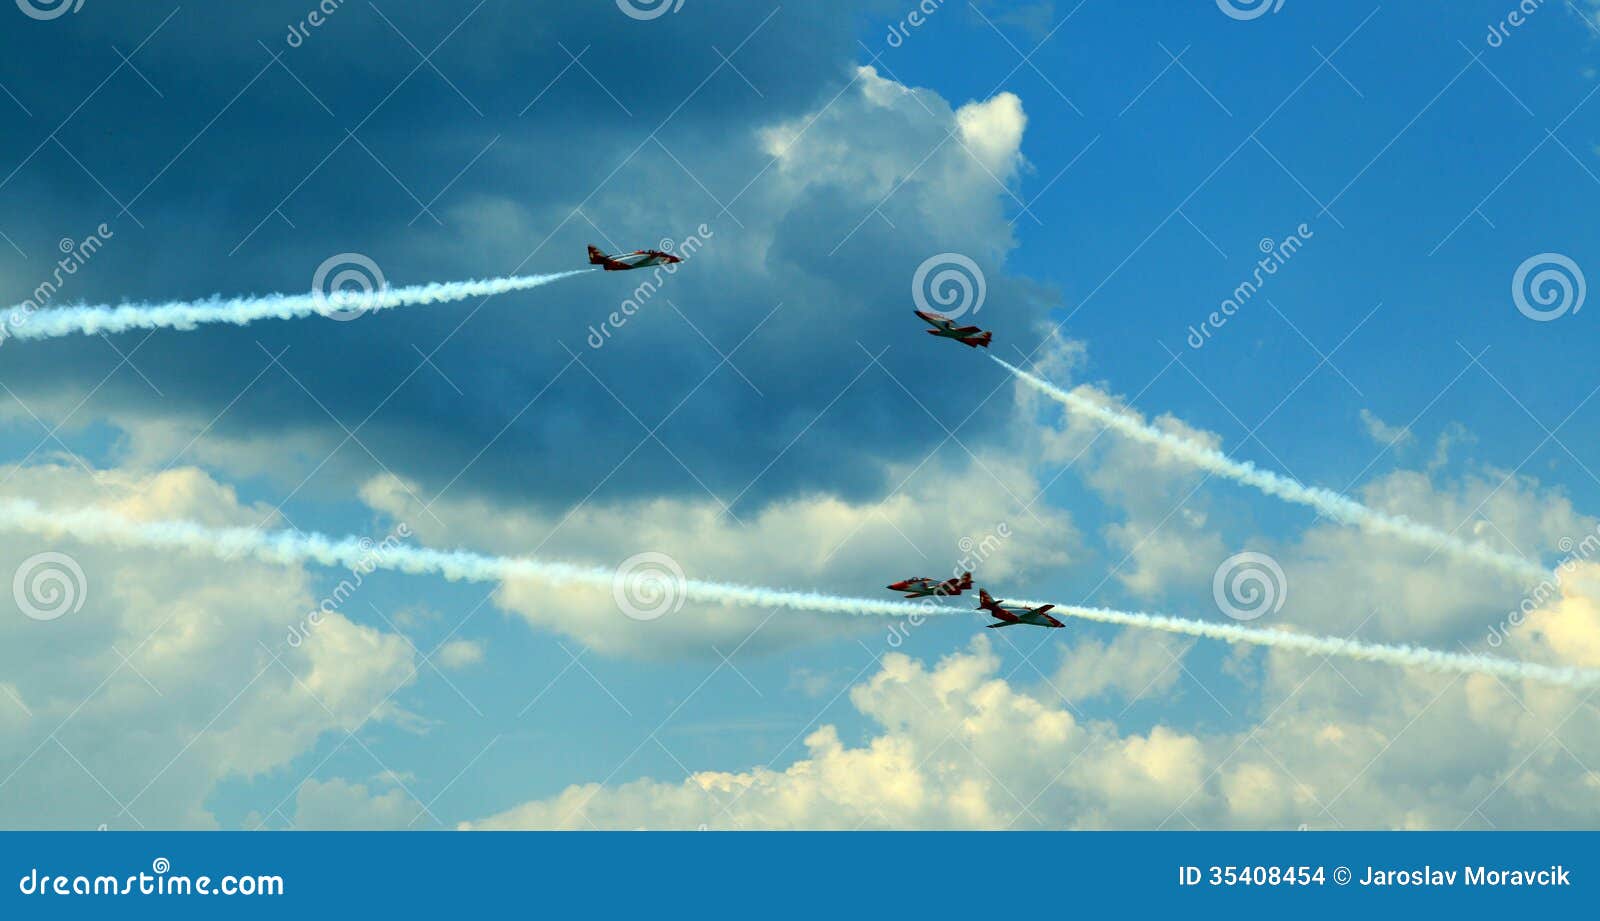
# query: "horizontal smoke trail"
x,y
1405,655
99,525
1337,506
26,323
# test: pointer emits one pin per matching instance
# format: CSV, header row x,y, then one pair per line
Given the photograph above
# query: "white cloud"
x,y
992,131
958,517
956,746
1383,433
339,805
175,674
881,137
1133,665
460,653
1164,534
959,748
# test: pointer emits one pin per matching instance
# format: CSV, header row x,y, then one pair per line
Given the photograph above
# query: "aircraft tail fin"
x,y
982,340
596,257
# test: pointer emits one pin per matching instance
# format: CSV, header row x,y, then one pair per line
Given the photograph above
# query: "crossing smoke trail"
x,y
99,525
1337,506
89,320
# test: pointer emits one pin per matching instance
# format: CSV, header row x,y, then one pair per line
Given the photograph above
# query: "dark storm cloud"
x,y
520,155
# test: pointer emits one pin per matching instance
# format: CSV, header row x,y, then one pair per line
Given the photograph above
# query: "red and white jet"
x,y
921,587
1009,615
638,259
970,336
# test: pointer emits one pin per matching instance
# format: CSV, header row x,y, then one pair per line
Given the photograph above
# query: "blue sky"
x,y
774,415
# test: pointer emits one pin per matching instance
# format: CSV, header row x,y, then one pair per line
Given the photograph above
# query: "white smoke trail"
x,y
89,320
1404,655
1337,506
284,547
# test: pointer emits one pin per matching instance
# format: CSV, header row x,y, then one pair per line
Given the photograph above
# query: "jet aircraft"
x,y
1009,615
638,259
943,326
922,587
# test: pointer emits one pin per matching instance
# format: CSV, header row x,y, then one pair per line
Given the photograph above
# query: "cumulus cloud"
x,y
1565,627
1132,665
175,673
957,747
340,805
813,178
1174,534
943,520
954,745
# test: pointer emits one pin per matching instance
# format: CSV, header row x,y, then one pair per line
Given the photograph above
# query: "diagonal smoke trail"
x,y
104,526
1337,506
26,323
